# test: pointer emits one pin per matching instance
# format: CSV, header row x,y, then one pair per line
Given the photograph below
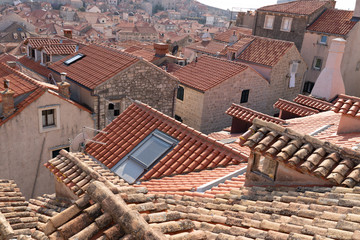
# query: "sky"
x,y
235,5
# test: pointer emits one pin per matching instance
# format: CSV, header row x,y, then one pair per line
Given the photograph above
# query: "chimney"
x,y
68,33
349,107
356,14
11,64
64,87
161,49
8,106
330,82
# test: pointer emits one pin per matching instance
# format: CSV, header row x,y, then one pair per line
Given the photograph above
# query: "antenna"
x,y
78,144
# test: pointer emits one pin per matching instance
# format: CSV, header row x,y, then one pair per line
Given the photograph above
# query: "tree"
x,y
158,8
82,9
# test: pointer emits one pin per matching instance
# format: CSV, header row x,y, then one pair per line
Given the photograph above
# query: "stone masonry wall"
x,y
142,81
218,99
190,109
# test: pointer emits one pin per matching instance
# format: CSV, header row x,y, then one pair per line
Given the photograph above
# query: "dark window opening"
x,y
233,56
245,96
180,93
56,152
308,86
48,118
116,112
32,52
111,106
178,118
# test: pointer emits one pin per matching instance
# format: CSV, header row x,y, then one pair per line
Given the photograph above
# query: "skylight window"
x,y
147,153
74,59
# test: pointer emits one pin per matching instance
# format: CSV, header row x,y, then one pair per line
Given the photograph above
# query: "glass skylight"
x,y
74,59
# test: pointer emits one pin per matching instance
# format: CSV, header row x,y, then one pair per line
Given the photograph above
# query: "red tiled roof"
x,y
225,36
208,72
241,43
7,57
194,152
211,47
302,7
38,42
146,54
232,139
187,184
347,105
294,108
34,66
101,63
248,114
265,51
18,85
59,49
312,102
333,21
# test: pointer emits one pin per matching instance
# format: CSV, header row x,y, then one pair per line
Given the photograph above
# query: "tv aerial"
x,y
78,144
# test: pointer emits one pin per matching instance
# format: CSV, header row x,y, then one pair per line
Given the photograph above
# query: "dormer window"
x,y
286,24
269,22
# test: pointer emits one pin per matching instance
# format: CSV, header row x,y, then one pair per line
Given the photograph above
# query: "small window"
x,y
323,40
308,86
357,66
245,96
48,118
178,118
57,151
269,22
113,111
317,63
74,59
180,93
147,153
286,24
111,106
264,166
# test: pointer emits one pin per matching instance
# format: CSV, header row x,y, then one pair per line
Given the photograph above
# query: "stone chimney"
x,y
64,87
8,106
68,33
330,82
356,14
161,49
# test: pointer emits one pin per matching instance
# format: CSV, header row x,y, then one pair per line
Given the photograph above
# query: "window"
x,y
308,86
180,93
286,24
49,118
147,153
74,59
56,152
113,111
357,66
264,166
245,96
317,63
293,69
323,40
269,22
178,118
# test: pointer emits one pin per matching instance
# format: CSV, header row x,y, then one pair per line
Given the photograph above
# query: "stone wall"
x,y
142,81
218,99
190,109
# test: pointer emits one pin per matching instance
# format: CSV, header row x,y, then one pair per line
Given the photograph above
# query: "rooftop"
x,y
59,49
302,7
294,108
210,47
225,36
208,72
333,21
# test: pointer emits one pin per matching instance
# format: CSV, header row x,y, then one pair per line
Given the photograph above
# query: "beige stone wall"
x,y
218,99
279,84
142,81
191,108
23,148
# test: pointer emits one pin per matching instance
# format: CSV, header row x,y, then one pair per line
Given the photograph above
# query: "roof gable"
x,y
208,72
302,7
99,64
333,21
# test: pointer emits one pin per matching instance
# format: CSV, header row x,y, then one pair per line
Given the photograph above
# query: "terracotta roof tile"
x,y
208,72
294,108
36,42
265,51
324,160
302,7
210,47
248,114
347,105
333,21
98,63
35,66
138,121
313,102
7,57
225,36
59,49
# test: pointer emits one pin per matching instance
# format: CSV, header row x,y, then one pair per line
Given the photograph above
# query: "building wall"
x,y
191,108
23,148
218,99
280,77
142,81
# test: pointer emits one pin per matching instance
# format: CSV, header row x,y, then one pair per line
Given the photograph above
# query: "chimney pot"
x,y
68,33
8,106
161,49
11,64
63,76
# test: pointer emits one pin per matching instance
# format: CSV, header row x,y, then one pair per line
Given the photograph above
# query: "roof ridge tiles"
x,y
293,107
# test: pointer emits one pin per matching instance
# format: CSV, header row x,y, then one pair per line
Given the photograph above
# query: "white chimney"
x,y
330,82
356,14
